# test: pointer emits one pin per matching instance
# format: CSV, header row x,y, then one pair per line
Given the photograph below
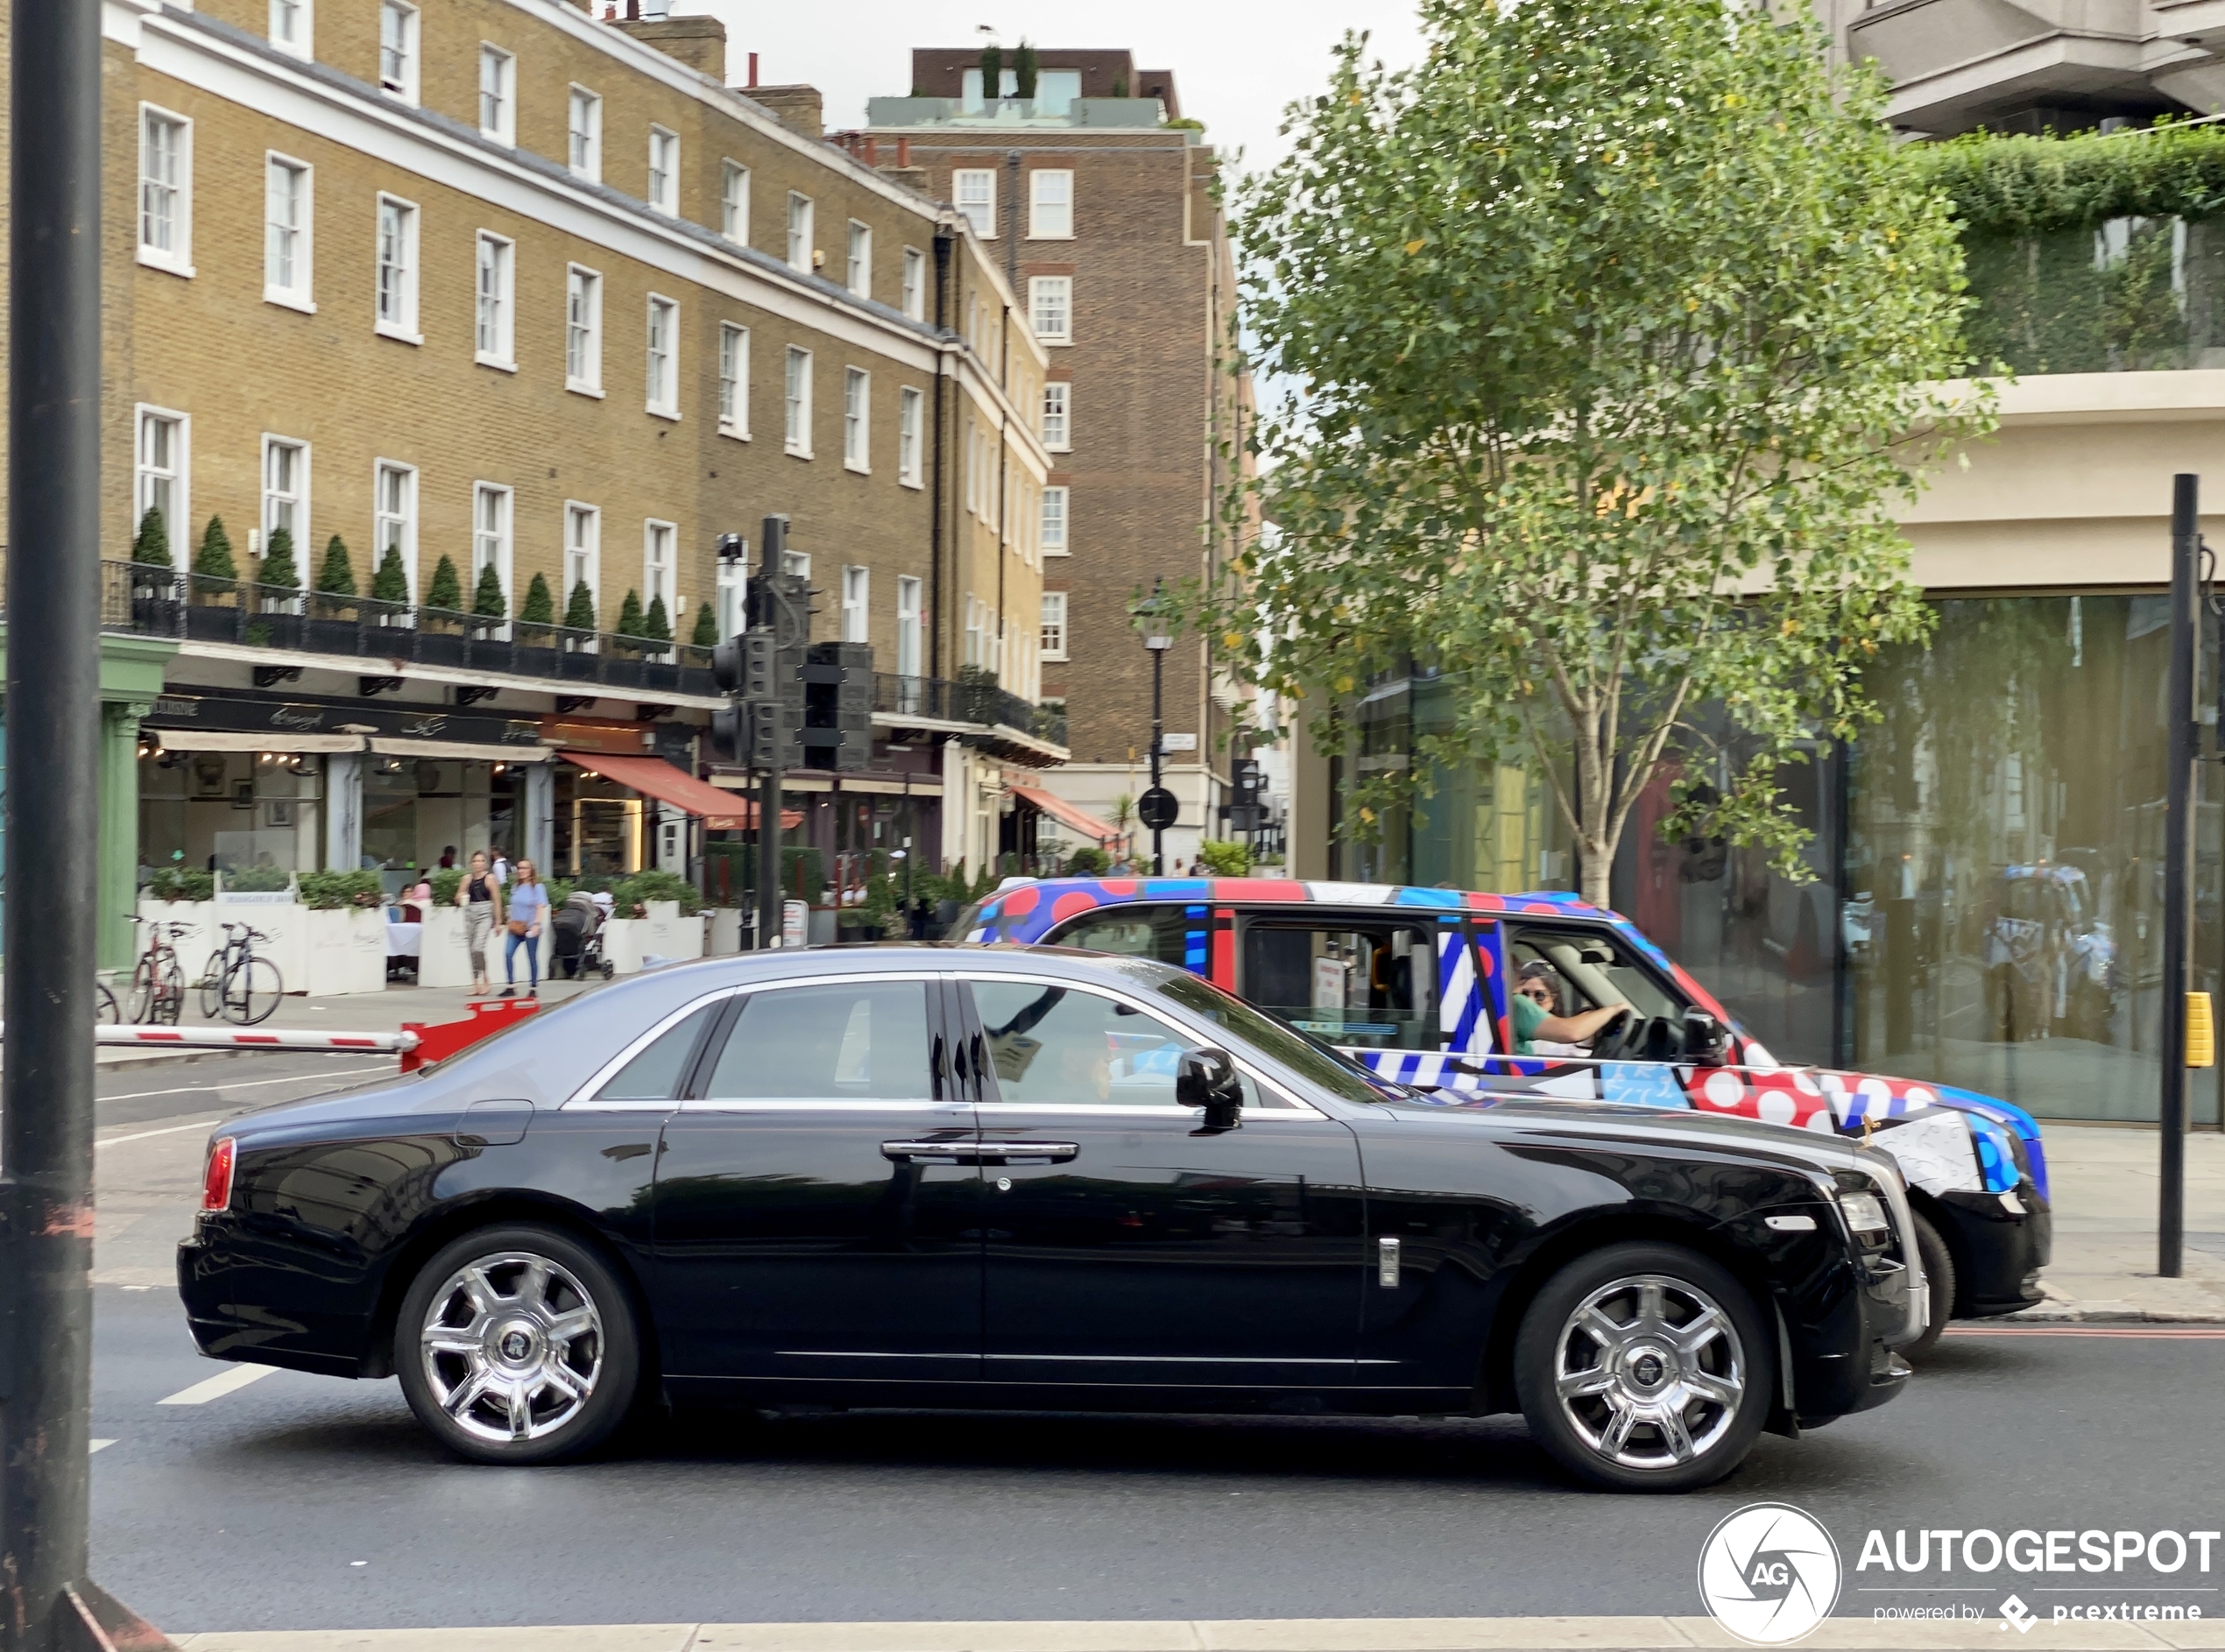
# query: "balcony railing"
x,y
977,700
2133,295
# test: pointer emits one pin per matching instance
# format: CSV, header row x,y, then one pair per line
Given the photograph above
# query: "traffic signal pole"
x,y
2178,870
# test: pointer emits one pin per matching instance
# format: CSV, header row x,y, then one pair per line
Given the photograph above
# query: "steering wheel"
x,y
1623,1039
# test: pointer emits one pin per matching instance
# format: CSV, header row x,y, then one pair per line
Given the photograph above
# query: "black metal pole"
x,y
1158,834
769,894
51,816
2179,869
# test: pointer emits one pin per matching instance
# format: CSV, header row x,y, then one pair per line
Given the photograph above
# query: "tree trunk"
x,y
1596,857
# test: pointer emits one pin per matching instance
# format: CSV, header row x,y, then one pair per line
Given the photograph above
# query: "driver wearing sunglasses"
x,y
1535,1011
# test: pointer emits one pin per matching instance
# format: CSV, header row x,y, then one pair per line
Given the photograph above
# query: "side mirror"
x,y
1207,1078
1706,1039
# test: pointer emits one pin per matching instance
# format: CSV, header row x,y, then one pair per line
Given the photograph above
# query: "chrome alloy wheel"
x,y
1649,1372
513,1346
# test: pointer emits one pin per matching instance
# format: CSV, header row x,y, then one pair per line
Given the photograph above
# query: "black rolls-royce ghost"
x,y
920,1176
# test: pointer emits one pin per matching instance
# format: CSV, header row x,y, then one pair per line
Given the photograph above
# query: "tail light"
x,y
217,1182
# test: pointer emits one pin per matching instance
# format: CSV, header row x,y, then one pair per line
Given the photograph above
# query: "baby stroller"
x,y
576,939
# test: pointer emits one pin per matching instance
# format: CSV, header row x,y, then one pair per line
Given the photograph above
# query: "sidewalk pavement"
x,y
2104,1183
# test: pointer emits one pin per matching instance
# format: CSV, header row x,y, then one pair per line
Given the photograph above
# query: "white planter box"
x,y
667,934
285,942
346,949
722,928
442,960
622,943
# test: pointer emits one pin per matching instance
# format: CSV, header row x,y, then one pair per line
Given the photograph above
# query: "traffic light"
x,y
838,703
743,665
729,733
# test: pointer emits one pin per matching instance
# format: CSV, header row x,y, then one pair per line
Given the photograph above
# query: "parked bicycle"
x,y
106,1010
237,984
159,981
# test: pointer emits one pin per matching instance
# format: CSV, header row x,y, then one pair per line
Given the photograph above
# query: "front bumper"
x,y
1998,1252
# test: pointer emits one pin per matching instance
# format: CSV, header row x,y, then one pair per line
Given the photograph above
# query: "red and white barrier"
x,y
223,1038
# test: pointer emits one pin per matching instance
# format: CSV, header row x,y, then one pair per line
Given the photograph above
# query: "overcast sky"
x,y
1236,63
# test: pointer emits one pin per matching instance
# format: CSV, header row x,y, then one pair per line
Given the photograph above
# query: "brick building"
x,y
1097,202
499,285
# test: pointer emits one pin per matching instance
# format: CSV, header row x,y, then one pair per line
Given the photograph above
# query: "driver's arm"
x,y
1580,1027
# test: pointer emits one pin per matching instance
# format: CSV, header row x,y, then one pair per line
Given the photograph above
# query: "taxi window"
x,y
1591,969
1172,935
1368,984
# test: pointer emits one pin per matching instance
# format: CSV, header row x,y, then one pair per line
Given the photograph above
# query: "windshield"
x,y
1335,1072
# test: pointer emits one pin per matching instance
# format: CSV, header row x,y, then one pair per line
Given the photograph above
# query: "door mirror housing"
x,y
1706,1039
1207,1078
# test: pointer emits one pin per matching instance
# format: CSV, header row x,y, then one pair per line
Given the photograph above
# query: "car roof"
x,y
851,957
1557,903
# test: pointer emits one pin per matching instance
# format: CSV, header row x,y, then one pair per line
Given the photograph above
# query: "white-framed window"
x,y
733,202
165,190
393,517
494,344
1051,307
664,171
657,568
285,496
1050,204
294,27
915,289
498,94
798,428
585,121
976,190
857,418
857,271
160,473
733,380
663,373
909,625
582,553
911,417
288,220
1054,522
492,507
732,597
796,562
583,330
977,615
800,214
1058,415
1054,632
394,295
398,64
856,603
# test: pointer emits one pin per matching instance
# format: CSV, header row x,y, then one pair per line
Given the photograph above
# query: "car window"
x,y
657,1072
1589,969
1371,985
1166,933
1338,1074
1051,1044
847,1040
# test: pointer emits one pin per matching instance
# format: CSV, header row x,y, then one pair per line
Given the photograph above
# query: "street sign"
x,y
1157,808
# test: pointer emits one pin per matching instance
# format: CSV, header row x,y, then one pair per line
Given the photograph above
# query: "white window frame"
x,y
733,201
910,624
177,258
914,287
400,50
796,403
274,498
300,293
858,267
582,555
802,216
1058,438
856,603
406,517
1058,544
979,182
858,420
583,330
733,380
1050,309
498,94
497,545
1050,220
664,171
303,42
661,578
495,302
1052,632
583,133
661,357
178,475
403,324
911,421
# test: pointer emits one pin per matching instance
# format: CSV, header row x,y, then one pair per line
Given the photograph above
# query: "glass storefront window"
x,y
230,811
416,810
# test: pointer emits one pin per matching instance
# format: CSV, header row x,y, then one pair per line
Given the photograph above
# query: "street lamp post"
x,y
1155,638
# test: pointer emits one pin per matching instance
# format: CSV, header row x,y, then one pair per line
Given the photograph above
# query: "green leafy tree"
x,y
656,625
579,612
391,583
706,633
1225,859
629,615
446,590
539,607
151,545
214,560
1623,330
336,577
487,600
278,569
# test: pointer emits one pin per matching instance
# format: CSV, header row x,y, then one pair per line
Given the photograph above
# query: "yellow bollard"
x,y
2201,1037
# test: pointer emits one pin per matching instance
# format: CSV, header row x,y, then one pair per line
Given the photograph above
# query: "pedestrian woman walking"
x,y
481,898
528,906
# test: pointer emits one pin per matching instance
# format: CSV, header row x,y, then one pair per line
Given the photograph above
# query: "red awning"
x,y
721,811
1068,813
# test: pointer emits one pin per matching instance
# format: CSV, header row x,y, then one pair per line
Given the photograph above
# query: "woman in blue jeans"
x,y
528,907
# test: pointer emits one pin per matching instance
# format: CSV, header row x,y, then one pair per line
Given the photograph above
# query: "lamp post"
x,y
1157,639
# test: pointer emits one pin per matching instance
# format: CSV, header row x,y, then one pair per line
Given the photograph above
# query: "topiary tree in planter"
x,y
214,561
579,612
391,583
488,602
629,615
278,569
446,590
337,576
706,633
656,625
539,607
151,545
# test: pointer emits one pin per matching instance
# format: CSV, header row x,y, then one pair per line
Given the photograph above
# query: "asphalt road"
x,y
306,1502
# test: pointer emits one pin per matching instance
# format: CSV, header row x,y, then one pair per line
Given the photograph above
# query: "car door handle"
x,y
931,1152
981,1153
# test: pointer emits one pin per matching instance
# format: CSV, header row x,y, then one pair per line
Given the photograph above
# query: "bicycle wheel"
x,y
142,991
105,1010
213,975
170,992
252,991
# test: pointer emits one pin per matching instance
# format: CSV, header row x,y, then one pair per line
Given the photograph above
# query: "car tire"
x,y
518,1344
1939,1281
1645,1368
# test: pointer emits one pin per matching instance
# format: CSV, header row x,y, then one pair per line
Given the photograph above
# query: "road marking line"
x,y
2153,1333
101,1445
247,1084
168,1130
217,1387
